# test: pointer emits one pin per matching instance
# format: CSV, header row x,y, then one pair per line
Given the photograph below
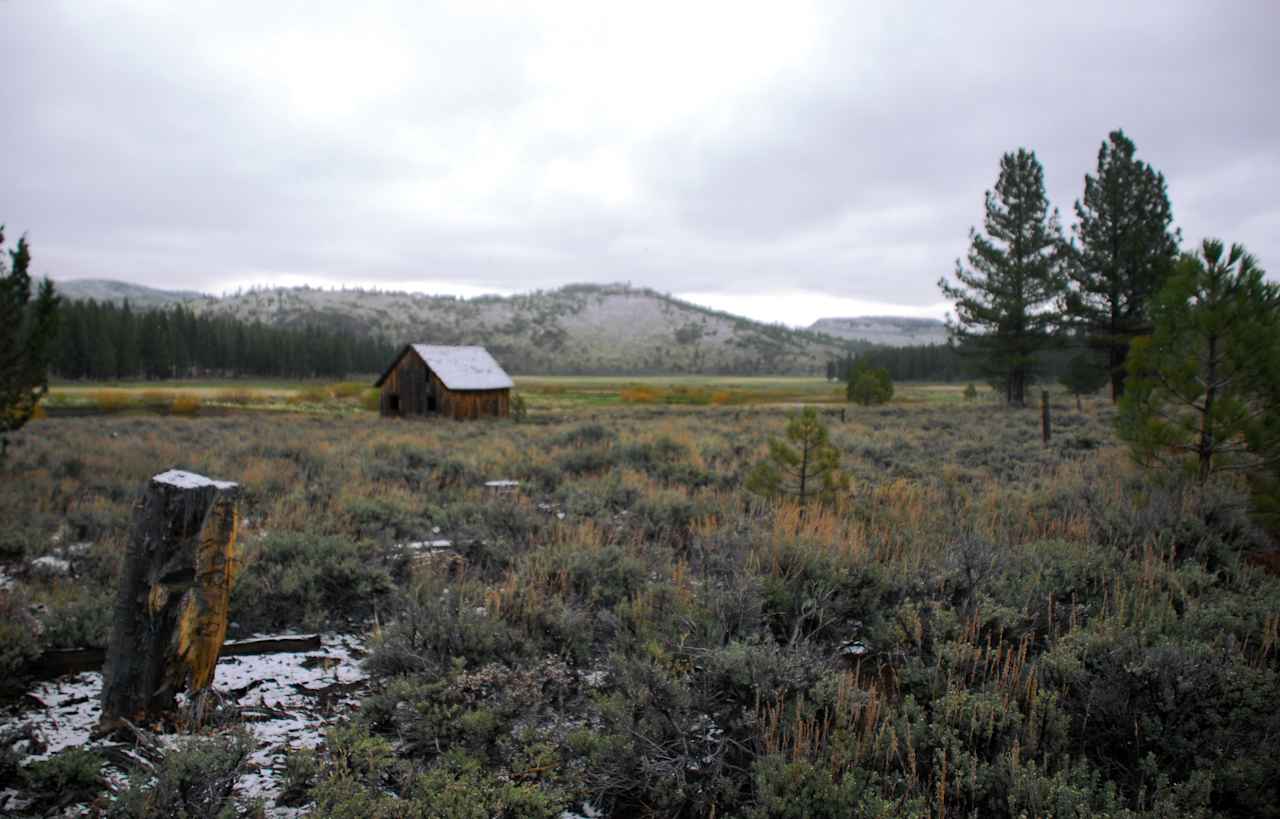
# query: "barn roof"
x,y
460,368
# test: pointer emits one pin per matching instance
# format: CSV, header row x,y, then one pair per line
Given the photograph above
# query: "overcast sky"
x,y
784,160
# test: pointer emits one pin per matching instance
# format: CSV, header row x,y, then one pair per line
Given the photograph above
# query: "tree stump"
x,y
175,589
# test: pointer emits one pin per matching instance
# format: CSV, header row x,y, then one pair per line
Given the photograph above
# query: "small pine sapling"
x,y
1202,388
806,467
1085,375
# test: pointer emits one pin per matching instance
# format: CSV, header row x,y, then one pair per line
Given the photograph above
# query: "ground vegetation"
x,y
977,625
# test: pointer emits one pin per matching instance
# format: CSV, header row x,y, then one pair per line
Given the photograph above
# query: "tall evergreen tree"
x,y
128,345
27,340
1124,251
1003,299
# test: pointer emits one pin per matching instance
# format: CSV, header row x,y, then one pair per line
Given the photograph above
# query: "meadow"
x,y
541,393
979,626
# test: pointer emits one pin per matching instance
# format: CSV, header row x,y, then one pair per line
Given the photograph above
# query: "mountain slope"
x,y
110,290
581,329
892,331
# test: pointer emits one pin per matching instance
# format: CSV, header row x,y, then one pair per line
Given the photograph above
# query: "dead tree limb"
x,y
57,662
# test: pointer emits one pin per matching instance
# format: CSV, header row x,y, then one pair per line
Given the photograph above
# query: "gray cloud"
x,y
839,148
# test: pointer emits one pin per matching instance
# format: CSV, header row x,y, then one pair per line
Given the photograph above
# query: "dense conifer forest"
x,y
103,341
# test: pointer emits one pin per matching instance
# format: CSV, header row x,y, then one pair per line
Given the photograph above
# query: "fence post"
x,y
1044,417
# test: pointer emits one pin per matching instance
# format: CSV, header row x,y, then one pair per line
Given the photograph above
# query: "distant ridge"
x,y
583,329
891,331
110,290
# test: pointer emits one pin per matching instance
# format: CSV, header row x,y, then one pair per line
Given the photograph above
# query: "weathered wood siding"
x,y
412,389
475,403
405,391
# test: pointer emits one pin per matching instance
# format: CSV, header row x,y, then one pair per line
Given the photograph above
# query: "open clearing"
x,y
545,393
977,625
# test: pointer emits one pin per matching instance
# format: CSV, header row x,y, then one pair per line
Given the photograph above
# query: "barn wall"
x,y
475,403
408,380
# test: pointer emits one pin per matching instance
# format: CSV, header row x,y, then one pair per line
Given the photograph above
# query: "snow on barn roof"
x,y
460,368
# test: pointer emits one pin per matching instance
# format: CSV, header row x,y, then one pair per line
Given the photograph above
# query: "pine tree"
x,y
1014,276
809,467
1202,390
1124,251
1083,375
869,385
28,333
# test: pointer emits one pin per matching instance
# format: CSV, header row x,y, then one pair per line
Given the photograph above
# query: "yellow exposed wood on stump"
x,y
206,607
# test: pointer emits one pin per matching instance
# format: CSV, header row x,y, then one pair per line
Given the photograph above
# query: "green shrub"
x,y
591,434
193,780
70,777
19,643
581,462
301,772
348,389
361,777
870,386
435,625
385,519
462,787
79,616
371,399
807,790
294,580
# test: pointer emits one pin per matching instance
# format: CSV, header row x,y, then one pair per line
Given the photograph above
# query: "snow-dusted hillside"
x,y
893,331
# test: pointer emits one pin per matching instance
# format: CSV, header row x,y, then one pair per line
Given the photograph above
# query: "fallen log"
x,y
57,662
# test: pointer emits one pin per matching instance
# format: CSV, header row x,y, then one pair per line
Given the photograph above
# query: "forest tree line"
x,y
105,340
942,362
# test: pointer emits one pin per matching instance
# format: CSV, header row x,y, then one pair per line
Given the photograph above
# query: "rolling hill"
x,y
577,329
111,290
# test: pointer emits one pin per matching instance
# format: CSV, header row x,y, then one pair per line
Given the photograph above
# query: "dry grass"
x,y
1010,601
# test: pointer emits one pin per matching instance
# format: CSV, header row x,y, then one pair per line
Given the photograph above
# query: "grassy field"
x,y
541,393
977,626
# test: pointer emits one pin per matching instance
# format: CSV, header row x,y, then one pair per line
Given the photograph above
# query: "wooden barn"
x,y
456,382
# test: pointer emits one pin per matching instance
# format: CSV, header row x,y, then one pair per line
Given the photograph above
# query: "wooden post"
x,y
1044,417
175,590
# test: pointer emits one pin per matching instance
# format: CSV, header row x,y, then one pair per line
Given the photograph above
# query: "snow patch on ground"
x,y
48,564
189,480
425,545
287,700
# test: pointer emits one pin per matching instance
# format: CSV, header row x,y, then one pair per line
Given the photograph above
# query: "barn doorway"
x,y
393,404
431,401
